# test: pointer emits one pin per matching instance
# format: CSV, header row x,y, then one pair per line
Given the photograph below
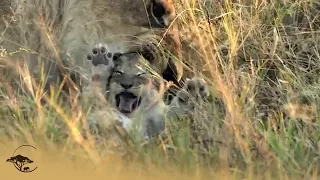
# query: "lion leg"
x,y
101,64
153,126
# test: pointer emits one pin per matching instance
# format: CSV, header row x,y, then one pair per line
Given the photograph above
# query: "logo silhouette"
x,y
20,161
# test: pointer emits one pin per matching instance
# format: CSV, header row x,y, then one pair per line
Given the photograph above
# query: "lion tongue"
x,y
126,103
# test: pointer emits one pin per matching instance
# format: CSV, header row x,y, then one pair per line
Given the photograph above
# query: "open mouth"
x,y
127,102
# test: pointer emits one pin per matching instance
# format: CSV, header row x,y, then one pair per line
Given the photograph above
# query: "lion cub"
x,y
133,92
130,90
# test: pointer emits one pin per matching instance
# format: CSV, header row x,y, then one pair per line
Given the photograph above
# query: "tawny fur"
x,y
52,29
66,30
131,73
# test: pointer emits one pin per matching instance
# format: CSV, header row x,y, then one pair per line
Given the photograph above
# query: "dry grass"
x,y
262,60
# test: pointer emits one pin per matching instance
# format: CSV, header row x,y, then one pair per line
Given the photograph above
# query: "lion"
x,y
134,93
58,33
132,90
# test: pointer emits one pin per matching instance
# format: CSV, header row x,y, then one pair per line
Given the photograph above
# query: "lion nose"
x,y
126,85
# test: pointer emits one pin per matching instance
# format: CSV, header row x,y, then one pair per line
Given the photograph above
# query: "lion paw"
x,y
195,90
102,62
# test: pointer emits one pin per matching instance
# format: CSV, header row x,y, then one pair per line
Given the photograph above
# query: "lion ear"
x,y
147,54
116,56
161,13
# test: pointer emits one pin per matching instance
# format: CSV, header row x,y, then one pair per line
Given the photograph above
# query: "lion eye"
x,y
118,72
181,100
141,74
201,88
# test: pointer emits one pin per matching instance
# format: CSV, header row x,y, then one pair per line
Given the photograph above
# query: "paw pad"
x,y
100,55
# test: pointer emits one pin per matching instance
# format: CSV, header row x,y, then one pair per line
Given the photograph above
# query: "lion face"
x,y
161,12
195,91
130,84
